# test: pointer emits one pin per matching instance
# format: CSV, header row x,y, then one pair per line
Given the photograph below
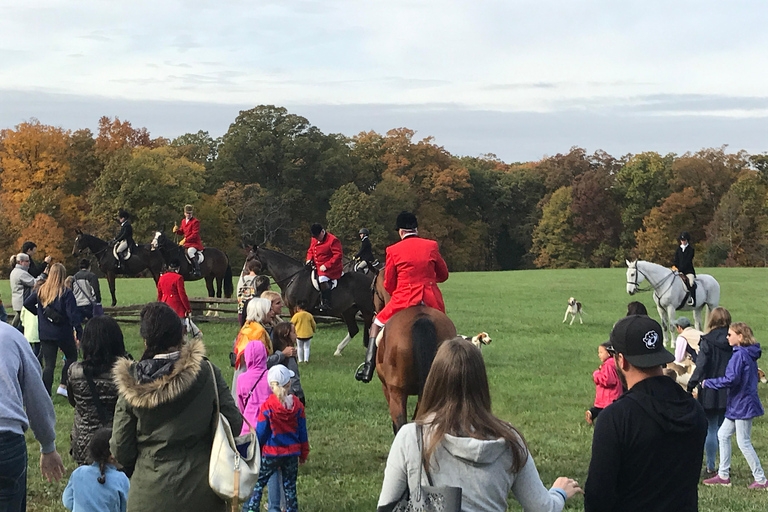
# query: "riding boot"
x,y
365,372
692,298
196,263
119,265
325,299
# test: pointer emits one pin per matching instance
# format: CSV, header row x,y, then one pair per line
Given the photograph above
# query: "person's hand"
x,y
51,465
322,268
303,461
308,264
48,259
289,351
695,392
174,228
569,485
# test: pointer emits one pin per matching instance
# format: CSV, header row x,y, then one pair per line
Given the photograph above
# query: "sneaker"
x,y
716,480
756,485
62,391
708,473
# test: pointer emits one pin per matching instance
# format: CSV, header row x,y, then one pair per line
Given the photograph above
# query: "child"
x,y
282,432
284,335
305,329
252,386
99,487
742,405
607,383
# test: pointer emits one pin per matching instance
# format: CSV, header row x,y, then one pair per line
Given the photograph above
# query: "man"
x,y
687,340
124,239
647,445
87,290
684,264
21,285
190,230
411,273
170,289
325,250
365,254
30,248
24,403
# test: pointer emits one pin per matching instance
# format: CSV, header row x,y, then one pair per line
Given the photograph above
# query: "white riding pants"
x,y
191,252
122,246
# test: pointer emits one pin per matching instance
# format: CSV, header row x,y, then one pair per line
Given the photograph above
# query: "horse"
x,y
407,347
380,295
669,292
352,293
141,258
215,264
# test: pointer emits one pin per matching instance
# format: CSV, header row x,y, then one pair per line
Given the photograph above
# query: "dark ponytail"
x,y
99,451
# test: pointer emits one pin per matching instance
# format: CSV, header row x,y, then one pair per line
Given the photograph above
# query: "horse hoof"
x,y
337,353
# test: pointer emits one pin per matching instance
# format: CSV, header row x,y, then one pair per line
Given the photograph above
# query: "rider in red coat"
x,y
325,250
190,230
170,289
413,269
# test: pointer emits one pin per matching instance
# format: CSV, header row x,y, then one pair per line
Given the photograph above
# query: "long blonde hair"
x,y
281,392
54,285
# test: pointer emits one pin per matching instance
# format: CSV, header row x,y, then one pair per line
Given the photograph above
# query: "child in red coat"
x,y
607,384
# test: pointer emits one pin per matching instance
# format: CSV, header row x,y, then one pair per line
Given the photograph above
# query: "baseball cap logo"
x,y
650,339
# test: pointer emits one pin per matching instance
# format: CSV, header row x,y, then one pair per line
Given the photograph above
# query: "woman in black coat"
x,y
714,354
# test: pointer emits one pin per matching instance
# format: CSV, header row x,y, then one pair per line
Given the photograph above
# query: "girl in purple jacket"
x,y
743,404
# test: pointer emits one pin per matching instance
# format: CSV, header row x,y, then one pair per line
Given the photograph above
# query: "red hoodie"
x,y
607,383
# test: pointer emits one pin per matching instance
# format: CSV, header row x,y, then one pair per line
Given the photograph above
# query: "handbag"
x,y
52,315
232,476
427,498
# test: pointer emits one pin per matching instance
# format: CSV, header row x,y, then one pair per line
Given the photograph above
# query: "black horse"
x,y
352,294
141,258
215,264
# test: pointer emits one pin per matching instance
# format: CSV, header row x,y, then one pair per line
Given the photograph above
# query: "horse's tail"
x,y
228,287
424,337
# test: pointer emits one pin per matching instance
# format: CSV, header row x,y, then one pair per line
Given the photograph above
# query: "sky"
x,y
516,78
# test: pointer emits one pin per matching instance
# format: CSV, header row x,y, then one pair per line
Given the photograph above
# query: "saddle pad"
x,y
199,254
316,282
127,252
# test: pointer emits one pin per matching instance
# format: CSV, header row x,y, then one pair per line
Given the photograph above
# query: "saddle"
x,y
316,280
199,255
126,253
690,292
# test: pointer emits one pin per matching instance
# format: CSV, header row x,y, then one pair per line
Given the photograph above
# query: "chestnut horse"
x,y
407,347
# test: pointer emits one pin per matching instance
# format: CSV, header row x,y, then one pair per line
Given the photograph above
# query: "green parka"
x,y
164,429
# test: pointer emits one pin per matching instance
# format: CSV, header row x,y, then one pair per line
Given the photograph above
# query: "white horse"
x,y
669,291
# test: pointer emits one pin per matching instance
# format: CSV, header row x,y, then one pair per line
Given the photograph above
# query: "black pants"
x,y
49,349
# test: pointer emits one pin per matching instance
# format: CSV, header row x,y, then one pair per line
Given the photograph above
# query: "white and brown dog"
x,y
481,339
574,308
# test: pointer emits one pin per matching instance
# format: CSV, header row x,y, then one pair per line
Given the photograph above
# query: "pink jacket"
x,y
252,386
607,383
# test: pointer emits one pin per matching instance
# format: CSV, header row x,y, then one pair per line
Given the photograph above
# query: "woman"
x,y
57,316
714,354
257,314
465,444
277,308
165,415
92,392
22,283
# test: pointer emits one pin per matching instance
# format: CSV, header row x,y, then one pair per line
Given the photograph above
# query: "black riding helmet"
x,y
685,236
407,221
364,231
315,230
122,214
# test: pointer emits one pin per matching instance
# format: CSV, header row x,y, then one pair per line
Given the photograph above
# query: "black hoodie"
x,y
647,450
714,354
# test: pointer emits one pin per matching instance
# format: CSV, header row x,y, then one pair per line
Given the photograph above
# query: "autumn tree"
x,y
115,135
553,237
681,211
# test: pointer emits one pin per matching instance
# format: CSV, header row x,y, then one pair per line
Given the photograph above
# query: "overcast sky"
x,y
517,78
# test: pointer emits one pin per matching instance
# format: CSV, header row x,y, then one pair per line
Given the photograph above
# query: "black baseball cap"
x,y
640,339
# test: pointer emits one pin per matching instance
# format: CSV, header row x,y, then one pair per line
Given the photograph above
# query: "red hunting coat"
x,y
328,253
413,269
170,289
190,230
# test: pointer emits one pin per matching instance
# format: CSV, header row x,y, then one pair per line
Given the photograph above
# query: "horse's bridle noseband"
x,y
658,295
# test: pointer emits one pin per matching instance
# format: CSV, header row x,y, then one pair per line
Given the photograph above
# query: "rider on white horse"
x,y
684,264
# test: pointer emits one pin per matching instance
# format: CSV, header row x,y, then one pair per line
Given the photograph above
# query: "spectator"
x,y
647,445
607,383
22,283
283,337
92,392
277,308
32,329
170,289
3,313
465,444
252,386
636,308
687,341
305,329
57,316
23,403
164,416
259,312
30,248
246,289
99,487
714,354
87,289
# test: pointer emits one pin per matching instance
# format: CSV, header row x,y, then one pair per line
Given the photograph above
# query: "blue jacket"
x,y
85,494
741,381
65,305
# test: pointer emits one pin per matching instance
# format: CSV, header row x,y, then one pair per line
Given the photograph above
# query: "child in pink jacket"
x,y
252,386
607,384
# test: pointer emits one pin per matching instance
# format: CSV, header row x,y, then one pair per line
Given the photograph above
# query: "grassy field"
x,y
539,370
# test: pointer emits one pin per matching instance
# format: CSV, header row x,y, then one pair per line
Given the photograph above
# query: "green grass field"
x,y
539,371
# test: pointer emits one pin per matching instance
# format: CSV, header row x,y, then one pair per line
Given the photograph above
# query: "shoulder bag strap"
x,y
216,389
83,291
100,409
253,388
423,464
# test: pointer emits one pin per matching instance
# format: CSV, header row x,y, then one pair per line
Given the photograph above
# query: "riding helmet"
x,y
406,220
122,214
364,231
315,230
685,236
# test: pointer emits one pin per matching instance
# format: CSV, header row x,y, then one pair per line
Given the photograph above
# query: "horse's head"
x,y
79,243
634,277
157,241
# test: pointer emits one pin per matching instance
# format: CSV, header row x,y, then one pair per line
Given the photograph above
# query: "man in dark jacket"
x,y
87,290
365,254
684,264
124,239
647,445
30,248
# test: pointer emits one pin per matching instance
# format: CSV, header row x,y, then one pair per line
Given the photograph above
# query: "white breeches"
x,y
323,279
191,251
123,245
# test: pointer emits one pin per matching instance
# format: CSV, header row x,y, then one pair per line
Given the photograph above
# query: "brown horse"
x,y
407,348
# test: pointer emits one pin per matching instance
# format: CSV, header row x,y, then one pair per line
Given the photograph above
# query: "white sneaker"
x,y
62,391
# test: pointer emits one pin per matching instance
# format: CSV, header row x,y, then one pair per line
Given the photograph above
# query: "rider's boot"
x,y
119,265
692,298
196,263
365,372
325,299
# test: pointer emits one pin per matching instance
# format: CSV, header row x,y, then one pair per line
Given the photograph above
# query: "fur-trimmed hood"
x,y
166,388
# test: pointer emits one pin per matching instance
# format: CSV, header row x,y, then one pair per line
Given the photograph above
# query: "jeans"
x,y
13,472
269,465
49,349
275,494
743,429
714,420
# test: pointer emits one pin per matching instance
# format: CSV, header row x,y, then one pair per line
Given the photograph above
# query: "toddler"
x,y
305,330
607,384
99,487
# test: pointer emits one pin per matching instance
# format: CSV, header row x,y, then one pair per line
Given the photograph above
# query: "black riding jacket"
x,y
684,260
366,250
126,233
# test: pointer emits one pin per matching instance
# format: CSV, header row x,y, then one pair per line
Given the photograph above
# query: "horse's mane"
x,y
277,254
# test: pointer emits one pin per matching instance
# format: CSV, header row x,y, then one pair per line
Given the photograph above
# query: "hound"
x,y
574,308
481,339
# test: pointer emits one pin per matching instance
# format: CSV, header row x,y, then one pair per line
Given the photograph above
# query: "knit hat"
x,y
280,374
640,339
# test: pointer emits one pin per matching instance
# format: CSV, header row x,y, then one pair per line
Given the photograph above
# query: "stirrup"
x,y
359,374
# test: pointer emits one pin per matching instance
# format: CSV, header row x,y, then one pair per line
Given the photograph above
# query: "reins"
x,y
656,294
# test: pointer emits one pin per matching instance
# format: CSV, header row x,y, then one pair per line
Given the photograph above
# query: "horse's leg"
x,y
664,323
671,318
209,287
111,282
398,404
697,316
343,344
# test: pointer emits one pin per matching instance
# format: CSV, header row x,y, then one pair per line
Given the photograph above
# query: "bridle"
x,y
658,295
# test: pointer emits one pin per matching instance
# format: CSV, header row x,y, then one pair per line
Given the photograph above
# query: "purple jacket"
x,y
252,386
741,381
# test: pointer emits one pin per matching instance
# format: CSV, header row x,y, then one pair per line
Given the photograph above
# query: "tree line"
x,y
273,173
